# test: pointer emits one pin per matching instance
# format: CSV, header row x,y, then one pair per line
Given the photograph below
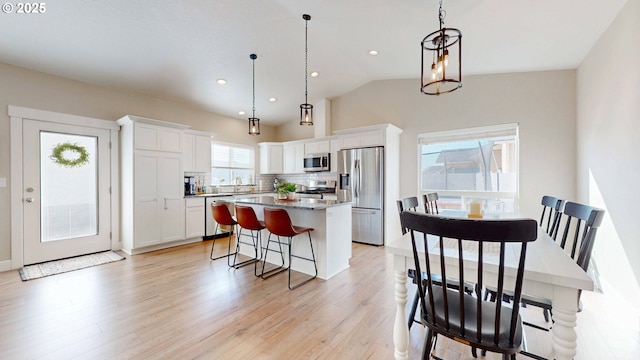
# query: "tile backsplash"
x,y
265,182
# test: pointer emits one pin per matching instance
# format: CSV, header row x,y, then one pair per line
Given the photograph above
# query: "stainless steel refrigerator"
x,y
361,181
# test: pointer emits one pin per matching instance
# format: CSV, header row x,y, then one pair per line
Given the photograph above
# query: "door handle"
x,y
29,200
356,183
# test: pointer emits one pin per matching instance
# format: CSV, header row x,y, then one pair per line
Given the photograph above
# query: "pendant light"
x,y
306,109
444,47
254,122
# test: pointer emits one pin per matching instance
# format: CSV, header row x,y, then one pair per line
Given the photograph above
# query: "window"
x,y
230,162
477,164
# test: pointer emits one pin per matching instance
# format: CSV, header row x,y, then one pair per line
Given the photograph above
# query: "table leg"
x,y
400,329
563,334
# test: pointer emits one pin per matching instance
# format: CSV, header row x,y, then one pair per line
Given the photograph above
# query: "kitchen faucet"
x,y
238,182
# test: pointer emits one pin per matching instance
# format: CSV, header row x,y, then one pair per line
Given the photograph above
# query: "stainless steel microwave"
x,y
316,162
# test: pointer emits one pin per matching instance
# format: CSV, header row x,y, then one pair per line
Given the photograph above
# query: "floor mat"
x,y
36,271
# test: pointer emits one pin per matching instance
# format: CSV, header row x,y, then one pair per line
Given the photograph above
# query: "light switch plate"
x,y
3,182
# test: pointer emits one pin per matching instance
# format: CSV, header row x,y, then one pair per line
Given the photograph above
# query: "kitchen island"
x,y
331,237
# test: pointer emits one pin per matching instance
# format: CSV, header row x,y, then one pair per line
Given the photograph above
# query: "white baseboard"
x,y
160,246
5,265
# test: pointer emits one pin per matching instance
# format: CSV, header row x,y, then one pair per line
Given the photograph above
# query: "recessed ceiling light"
x,y
273,99
373,52
221,81
241,112
314,74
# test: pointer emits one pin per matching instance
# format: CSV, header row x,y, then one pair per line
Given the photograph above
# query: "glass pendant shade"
x,y
254,126
441,60
306,114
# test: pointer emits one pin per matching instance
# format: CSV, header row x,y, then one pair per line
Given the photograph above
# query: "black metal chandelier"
x,y
306,109
444,47
254,122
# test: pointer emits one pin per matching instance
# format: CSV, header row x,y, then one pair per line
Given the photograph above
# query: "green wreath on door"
x,y
60,155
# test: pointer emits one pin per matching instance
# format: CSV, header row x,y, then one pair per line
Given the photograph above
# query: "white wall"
x,y
36,90
608,128
543,103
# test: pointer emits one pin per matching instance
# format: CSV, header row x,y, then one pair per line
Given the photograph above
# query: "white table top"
x,y
546,262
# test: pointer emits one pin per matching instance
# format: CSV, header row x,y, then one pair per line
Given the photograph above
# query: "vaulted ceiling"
x,y
179,49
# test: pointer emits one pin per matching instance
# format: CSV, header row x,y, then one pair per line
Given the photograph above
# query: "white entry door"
x,y
66,185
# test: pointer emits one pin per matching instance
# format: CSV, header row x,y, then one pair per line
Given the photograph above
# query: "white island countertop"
x,y
300,203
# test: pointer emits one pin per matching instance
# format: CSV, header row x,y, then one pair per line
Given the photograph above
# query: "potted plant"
x,y
285,189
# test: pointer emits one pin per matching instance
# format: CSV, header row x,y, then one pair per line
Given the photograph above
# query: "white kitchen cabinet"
x,y
317,147
196,152
152,185
194,213
158,200
363,139
293,158
159,138
271,158
334,146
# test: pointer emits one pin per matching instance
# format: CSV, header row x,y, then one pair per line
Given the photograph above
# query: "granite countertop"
x,y
303,203
248,193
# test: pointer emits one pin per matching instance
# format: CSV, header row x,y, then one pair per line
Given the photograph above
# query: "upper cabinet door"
x,y
196,153
203,153
293,158
363,139
188,152
151,137
271,158
317,147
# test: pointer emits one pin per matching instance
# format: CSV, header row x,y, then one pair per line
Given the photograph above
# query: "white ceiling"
x,y
178,49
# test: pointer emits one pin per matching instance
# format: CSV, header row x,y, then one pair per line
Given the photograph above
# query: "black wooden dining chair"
x,y
550,219
552,208
408,203
411,203
453,313
430,202
578,237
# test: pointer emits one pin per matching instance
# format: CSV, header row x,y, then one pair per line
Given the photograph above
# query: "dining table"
x,y
549,273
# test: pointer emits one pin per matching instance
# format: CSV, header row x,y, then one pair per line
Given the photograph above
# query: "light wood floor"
x,y
177,304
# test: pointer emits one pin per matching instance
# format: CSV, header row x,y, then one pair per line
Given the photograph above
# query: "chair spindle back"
x,y
452,312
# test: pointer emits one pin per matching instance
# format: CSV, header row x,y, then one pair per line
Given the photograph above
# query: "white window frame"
x,y
232,145
482,132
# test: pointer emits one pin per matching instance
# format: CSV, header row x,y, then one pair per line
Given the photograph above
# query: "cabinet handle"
x,y
165,204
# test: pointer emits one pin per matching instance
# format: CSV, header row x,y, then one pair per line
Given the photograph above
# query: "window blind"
x,y
495,132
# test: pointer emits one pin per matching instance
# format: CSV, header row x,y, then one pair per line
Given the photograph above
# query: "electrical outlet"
x,y
3,182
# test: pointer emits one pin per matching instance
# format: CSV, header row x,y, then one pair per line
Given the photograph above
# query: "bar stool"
x,y
248,220
222,216
279,223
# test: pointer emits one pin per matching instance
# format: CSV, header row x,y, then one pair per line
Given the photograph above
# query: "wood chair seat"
x,y
487,330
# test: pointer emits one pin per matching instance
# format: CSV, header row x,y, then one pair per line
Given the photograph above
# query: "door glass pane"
x,y
68,186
